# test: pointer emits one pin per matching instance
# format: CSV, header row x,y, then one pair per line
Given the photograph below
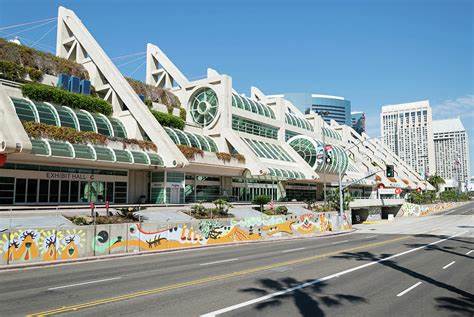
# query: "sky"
x,y
373,52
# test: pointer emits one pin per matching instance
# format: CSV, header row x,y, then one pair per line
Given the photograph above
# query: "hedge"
x,y
168,120
45,62
39,92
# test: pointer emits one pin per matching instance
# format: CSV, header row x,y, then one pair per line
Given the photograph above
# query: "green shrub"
x,y
168,120
182,113
40,92
35,74
12,71
261,200
281,210
155,94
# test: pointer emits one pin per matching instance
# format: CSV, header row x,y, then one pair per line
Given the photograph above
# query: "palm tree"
x,y
436,181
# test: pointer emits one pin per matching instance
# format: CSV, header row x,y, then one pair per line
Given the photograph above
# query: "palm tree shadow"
x,y
307,296
445,249
370,257
461,305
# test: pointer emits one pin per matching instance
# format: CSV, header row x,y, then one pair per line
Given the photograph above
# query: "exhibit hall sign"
x,y
70,176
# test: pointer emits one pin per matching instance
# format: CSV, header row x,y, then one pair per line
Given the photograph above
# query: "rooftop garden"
x,y
168,120
40,92
41,130
155,94
18,60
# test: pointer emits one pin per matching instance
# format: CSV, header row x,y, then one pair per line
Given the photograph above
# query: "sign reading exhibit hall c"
x,y
69,176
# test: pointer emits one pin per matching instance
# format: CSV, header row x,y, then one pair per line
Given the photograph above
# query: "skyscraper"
x,y
451,150
407,130
358,121
328,107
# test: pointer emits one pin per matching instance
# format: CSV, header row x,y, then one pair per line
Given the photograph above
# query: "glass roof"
x,y
331,133
47,113
298,121
202,142
268,150
284,173
248,104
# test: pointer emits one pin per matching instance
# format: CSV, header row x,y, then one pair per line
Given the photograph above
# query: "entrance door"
x,y
174,194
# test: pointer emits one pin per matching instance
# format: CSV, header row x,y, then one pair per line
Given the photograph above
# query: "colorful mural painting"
x,y
31,245
49,244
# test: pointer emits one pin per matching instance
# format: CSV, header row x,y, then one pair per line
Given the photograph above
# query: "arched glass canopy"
x,y
202,142
331,133
203,106
268,150
284,173
298,121
248,104
62,116
312,151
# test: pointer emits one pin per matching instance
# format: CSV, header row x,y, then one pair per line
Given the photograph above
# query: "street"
x,y
424,270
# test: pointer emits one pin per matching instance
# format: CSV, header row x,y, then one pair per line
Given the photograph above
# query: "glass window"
x,y
62,149
46,114
74,192
139,157
64,191
102,124
43,191
53,191
104,154
32,191
123,156
120,196
7,187
109,193
118,127
24,109
155,159
83,151
85,121
39,147
20,190
66,116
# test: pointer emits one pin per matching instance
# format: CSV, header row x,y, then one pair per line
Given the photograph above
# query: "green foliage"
x,y
168,120
452,195
182,113
47,63
261,200
333,199
41,130
148,103
222,206
436,181
12,71
281,210
155,94
40,92
198,209
426,197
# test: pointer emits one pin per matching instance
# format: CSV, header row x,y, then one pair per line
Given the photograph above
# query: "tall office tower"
x,y
407,130
451,150
358,121
328,107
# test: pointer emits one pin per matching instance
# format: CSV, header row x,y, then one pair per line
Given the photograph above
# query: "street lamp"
x,y
321,114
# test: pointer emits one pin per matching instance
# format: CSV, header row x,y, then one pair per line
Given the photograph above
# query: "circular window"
x,y
204,106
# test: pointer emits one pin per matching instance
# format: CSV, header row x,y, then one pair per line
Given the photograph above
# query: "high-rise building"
x,y
451,150
407,130
358,121
328,107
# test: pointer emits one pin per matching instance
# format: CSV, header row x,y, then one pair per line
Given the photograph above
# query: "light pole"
x,y
321,114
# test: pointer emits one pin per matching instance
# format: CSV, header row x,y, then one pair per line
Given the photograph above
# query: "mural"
x,y
49,244
39,244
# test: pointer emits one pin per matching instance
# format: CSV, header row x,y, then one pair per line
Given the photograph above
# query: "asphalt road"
x,y
467,209
358,274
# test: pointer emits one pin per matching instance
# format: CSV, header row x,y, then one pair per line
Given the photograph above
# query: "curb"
x,y
122,255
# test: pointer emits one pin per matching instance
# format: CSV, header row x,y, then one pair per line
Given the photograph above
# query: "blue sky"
x,y
371,52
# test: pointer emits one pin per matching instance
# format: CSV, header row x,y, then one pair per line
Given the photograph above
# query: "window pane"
x,y
53,191
20,190
64,191
74,192
32,190
43,191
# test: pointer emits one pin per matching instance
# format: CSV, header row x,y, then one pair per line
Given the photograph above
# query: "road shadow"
x,y
444,249
310,300
370,257
460,305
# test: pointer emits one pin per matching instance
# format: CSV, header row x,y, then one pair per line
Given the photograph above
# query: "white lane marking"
x,y
319,280
217,262
84,283
469,252
292,250
408,289
369,237
448,265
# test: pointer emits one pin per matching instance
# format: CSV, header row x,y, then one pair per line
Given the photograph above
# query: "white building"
x,y
407,130
451,150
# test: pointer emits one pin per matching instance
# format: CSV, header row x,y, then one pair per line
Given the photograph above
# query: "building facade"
x,y
452,150
358,121
407,130
229,145
328,107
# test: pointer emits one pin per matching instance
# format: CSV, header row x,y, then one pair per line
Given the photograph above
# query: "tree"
x,y
261,200
333,199
436,181
222,206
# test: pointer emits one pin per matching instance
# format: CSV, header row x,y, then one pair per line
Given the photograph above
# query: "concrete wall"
x,y
29,245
